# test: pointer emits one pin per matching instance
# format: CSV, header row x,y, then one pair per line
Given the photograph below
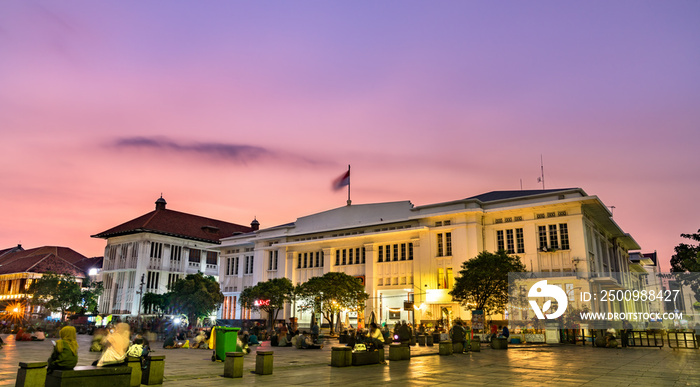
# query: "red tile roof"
x,y
42,259
178,224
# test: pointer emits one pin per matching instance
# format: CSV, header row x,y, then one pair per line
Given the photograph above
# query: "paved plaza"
x,y
534,365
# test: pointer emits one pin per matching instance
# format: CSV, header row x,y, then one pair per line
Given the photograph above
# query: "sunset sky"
x,y
235,110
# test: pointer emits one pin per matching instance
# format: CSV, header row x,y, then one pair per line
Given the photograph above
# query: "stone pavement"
x,y
564,365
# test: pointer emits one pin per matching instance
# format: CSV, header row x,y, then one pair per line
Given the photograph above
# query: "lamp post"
x,y
413,307
140,293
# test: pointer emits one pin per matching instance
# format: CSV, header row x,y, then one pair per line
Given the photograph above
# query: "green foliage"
x,y
58,293
332,293
196,296
278,291
155,303
90,295
686,261
483,281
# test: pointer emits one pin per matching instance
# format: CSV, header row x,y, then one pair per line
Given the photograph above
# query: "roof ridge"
x,y
145,224
57,257
41,260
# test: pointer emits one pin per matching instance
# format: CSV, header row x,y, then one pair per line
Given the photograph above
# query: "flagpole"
x,y
542,170
349,201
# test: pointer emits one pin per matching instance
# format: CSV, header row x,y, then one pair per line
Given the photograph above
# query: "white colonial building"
x,y
151,252
413,253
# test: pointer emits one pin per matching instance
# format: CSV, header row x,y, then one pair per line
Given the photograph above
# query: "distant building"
x,y
152,251
403,252
19,268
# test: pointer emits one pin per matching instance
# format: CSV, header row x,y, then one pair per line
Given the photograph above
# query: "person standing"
x,y
315,331
459,334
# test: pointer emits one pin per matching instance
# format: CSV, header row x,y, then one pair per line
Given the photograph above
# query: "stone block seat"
x,y
368,357
89,376
399,352
153,373
341,356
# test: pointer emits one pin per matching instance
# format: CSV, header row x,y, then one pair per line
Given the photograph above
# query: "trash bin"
x,y
226,341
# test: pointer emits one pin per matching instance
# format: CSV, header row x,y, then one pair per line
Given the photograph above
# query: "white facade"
x,y
158,260
405,252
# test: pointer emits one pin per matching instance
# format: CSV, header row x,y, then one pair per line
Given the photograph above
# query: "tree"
x,y
196,296
58,293
90,294
269,296
332,293
483,281
155,303
686,262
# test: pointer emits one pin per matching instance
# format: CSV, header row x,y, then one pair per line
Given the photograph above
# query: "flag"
x,y
342,181
539,179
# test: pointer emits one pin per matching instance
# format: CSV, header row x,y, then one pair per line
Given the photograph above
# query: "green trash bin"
x,y
226,339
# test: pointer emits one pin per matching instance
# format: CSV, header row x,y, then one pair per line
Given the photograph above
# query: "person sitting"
x,y
494,332
375,336
169,341
296,341
283,342
505,333
200,341
307,342
117,345
404,334
39,335
65,351
253,339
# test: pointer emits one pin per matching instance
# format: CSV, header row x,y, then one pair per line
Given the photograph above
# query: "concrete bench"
x,y
89,376
399,352
367,357
135,364
421,340
341,356
475,345
31,374
233,366
458,347
499,343
153,373
263,362
445,348
429,340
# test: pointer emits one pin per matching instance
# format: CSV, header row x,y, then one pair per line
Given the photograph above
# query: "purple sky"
x,y
241,109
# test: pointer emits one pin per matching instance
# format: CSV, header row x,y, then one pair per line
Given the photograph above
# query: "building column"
x,y
370,281
475,237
